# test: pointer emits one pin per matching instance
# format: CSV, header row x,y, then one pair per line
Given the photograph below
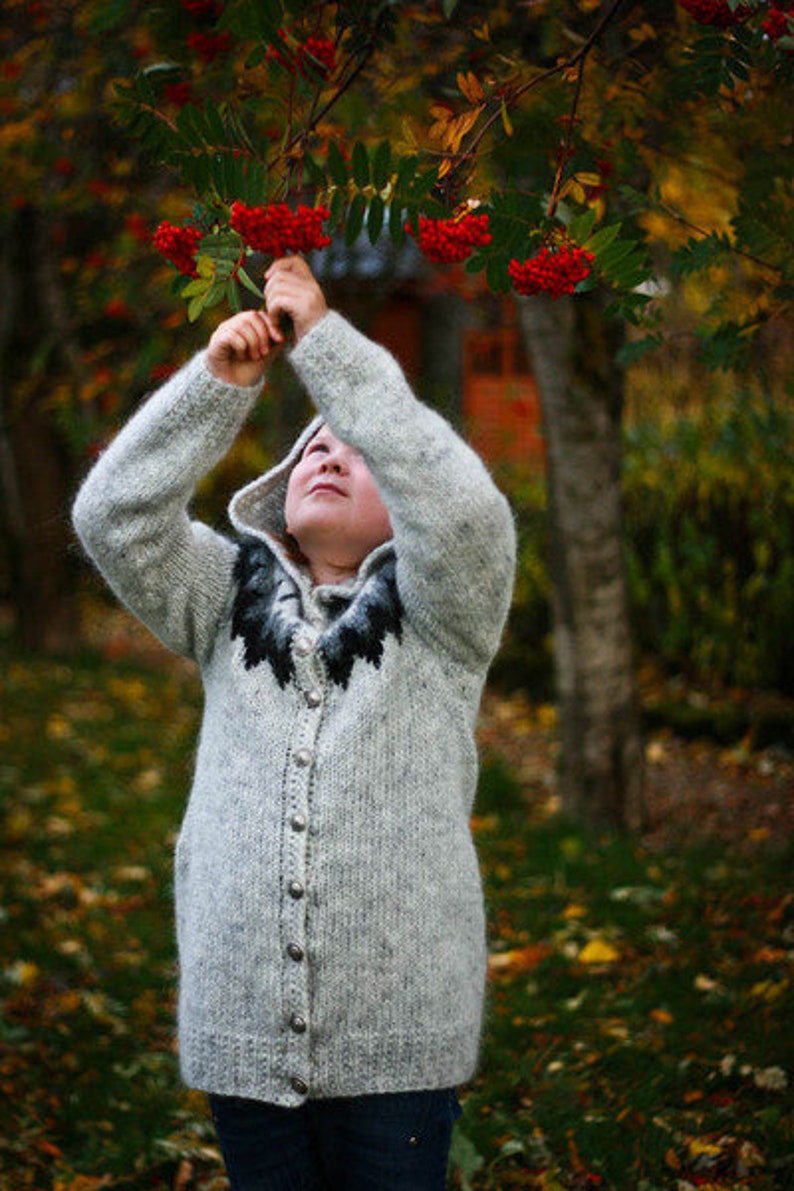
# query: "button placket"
x,y
297,829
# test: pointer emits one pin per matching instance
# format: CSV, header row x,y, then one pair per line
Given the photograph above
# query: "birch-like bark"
x,y
601,768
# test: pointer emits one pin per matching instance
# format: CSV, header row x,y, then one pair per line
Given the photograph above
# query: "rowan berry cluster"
x,y
715,12
203,8
277,230
450,241
554,272
779,22
208,46
178,245
315,56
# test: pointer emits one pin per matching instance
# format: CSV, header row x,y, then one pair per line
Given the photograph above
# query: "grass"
x,y
639,1008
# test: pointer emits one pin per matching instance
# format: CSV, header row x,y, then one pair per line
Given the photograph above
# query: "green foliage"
x,y
710,543
525,659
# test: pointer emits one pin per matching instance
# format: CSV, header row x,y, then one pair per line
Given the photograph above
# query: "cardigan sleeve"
x,y
131,513
453,530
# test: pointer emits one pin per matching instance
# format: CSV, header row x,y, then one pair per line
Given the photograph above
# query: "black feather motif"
x,y
359,632
266,615
266,609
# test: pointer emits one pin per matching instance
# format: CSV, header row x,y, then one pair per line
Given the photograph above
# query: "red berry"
x,y
277,230
208,46
715,12
178,245
450,241
178,93
779,22
316,55
554,272
203,8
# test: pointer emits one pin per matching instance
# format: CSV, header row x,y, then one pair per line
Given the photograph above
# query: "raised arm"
x,y
131,512
453,529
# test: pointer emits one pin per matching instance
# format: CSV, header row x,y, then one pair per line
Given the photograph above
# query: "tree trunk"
x,y
573,354
35,486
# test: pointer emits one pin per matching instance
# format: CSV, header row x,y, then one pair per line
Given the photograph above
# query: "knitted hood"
x,y
257,510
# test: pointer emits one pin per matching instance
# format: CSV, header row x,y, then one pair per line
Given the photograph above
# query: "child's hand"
x,y
239,347
290,288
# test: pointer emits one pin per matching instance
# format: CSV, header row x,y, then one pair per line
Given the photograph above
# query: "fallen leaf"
x,y
598,951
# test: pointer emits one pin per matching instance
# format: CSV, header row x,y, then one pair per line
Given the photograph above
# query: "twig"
x,y
574,60
565,148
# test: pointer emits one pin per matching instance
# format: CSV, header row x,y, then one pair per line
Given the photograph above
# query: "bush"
x,y
709,535
709,518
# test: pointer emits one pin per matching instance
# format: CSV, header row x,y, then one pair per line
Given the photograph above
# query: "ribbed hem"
x,y
354,1065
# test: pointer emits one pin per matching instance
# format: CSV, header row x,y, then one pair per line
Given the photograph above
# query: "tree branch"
x,y
575,60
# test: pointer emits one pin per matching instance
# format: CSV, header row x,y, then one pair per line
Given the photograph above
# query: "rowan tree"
x,y
556,150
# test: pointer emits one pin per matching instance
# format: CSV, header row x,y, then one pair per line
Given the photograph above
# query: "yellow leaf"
x,y
662,1016
457,129
471,87
598,951
769,990
703,1149
23,973
507,123
521,959
574,910
643,32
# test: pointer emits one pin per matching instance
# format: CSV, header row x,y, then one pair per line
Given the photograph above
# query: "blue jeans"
x,y
394,1142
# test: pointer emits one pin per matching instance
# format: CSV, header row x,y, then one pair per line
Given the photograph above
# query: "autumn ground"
x,y
641,997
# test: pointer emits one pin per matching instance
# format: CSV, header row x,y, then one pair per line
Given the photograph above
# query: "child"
x,y
329,908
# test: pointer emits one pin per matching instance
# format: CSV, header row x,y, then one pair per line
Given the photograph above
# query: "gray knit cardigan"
x,y
329,908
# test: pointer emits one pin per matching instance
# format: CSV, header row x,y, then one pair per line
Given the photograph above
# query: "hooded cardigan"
x,y
330,917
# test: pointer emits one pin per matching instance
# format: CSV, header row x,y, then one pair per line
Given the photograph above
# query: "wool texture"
x,y
330,917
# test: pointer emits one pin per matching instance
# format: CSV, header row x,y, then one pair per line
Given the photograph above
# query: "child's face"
x,y
333,509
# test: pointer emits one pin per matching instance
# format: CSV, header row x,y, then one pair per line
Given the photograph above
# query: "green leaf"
x,y
337,167
614,254
251,286
581,226
256,57
375,218
337,207
449,7
197,306
233,295
314,172
355,218
699,253
635,349
199,285
396,223
381,165
360,165
406,172
257,21
600,239
496,274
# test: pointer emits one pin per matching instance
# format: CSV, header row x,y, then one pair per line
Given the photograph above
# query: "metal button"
x,y
413,1141
299,1085
295,951
314,698
296,890
303,758
297,1024
298,822
303,646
